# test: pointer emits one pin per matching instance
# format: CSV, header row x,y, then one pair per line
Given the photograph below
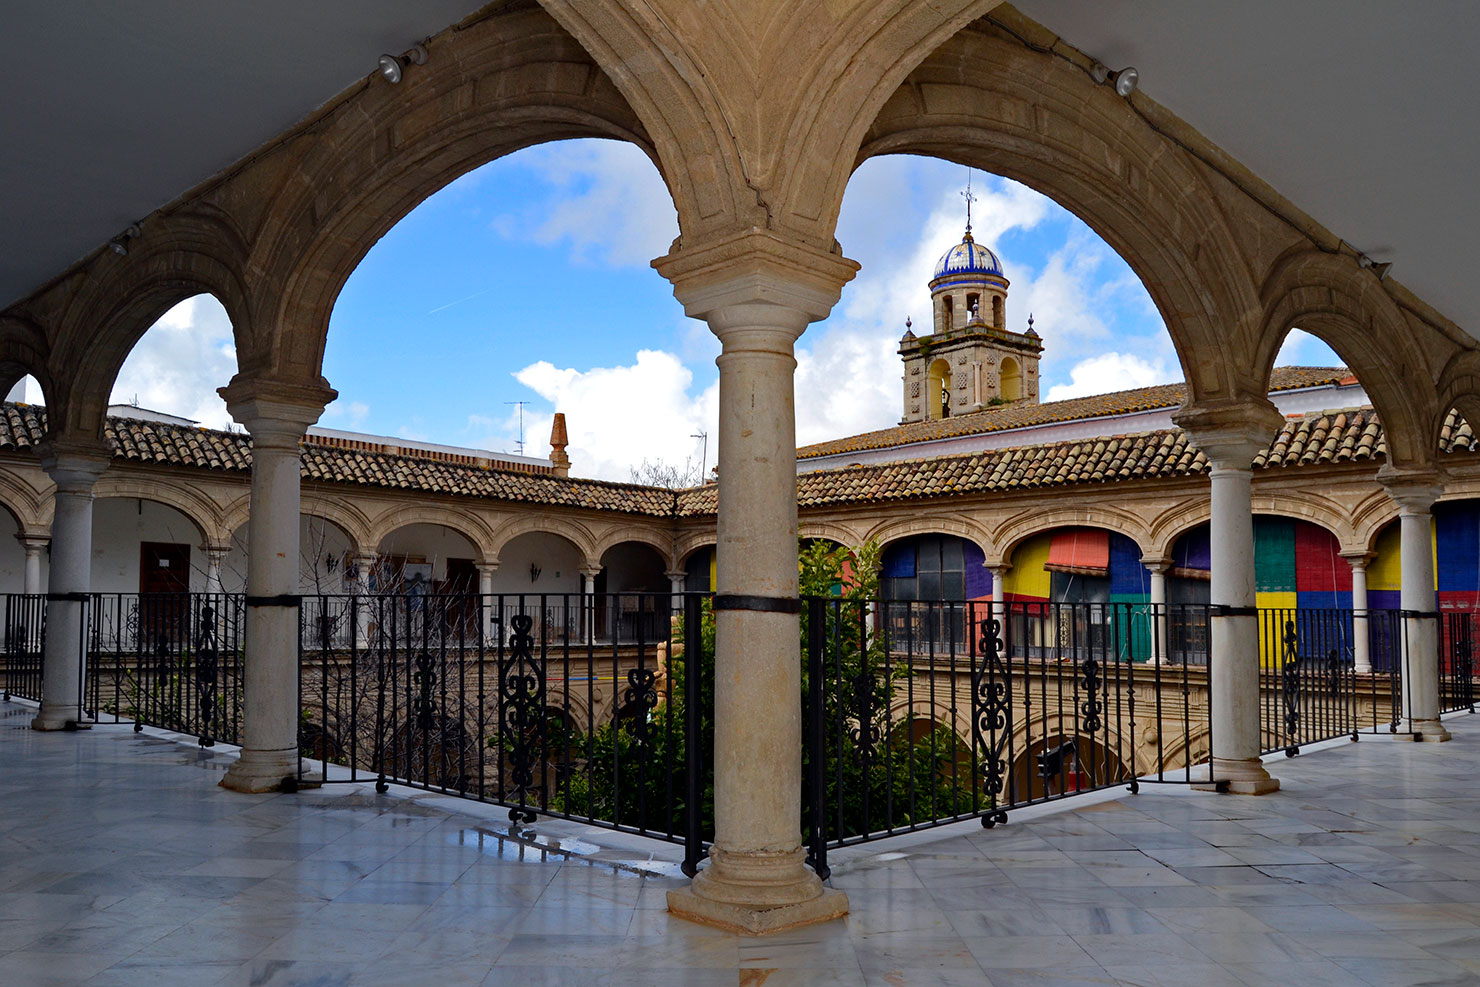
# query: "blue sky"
x,y
529,280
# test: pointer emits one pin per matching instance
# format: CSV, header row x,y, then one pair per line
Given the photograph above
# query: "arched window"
x,y
997,319
973,305
940,389
1012,379
947,313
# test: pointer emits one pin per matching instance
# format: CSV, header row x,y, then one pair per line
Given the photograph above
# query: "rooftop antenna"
x,y
969,200
704,455
521,405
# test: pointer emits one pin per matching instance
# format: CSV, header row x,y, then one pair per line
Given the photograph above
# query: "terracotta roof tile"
x,y
1024,415
161,443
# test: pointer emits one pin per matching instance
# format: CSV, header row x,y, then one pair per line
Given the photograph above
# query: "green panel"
x,y
1274,554
1133,631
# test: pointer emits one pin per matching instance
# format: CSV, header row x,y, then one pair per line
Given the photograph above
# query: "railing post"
x,y
816,754
693,663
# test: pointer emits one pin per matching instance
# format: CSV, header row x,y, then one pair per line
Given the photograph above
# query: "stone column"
x,y
34,547
588,602
215,558
1361,637
758,293
365,612
1230,435
1415,494
485,602
999,596
74,466
677,578
276,415
1160,616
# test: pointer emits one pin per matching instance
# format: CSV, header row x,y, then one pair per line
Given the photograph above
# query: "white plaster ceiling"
x,y
1361,113
1364,114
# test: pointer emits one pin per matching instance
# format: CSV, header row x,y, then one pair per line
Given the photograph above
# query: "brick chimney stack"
x,y
558,442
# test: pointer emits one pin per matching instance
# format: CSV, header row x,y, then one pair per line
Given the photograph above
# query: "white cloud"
x,y
615,209
178,364
616,417
1112,372
345,414
1301,349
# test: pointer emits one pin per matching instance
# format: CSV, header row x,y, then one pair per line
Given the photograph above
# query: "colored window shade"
x,y
1082,550
978,579
1457,546
1027,579
899,560
1194,550
1274,554
1319,566
1128,577
1384,572
1270,624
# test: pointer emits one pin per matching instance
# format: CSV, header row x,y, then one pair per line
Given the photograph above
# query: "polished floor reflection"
x,y
121,862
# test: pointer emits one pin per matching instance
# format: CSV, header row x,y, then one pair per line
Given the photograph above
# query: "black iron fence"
x,y
21,637
169,660
920,714
1459,633
514,700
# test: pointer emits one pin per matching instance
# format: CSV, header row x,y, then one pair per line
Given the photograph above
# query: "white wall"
x,y
317,540
120,524
13,557
559,561
433,543
634,567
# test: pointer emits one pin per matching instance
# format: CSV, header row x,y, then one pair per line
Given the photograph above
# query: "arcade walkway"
x,y
121,862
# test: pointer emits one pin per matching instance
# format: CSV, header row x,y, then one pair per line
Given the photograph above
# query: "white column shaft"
x,y
1160,617
63,671
1361,639
1420,667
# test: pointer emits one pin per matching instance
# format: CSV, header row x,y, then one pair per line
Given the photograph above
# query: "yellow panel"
x,y
1385,571
713,571
1270,632
1027,577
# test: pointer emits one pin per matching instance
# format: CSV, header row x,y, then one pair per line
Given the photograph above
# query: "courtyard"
x,y
123,862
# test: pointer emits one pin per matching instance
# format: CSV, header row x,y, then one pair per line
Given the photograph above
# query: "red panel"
x,y
1079,550
1318,562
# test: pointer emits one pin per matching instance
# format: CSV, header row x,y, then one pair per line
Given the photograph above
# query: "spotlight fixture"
x,y
119,244
392,66
1368,264
1099,72
1126,81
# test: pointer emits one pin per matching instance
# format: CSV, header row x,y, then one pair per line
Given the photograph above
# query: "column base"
x,y
757,920
757,892
262,771
60,718
1245,776
1430,731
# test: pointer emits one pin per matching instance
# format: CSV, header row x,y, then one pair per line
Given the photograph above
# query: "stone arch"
x,y
508,81
571,530
24,349
1012,379
180,256
1370,517
987,99
1017,529
938,383
464,523
1459,389
688,544
199,509
31,510
658,542
344,515
1348,308
832,531
962,526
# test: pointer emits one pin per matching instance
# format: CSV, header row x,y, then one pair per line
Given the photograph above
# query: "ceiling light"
x,y
119,244
1126,81
1099,72
392,66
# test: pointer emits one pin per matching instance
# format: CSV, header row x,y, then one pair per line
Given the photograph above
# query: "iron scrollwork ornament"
x,y
866,734
641,698
207,674
1290,687
1092,706
522,713
991,703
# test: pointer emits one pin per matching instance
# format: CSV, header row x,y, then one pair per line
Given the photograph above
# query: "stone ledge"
x,y
685,904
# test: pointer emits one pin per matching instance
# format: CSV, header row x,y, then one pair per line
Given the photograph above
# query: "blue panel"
x,y
1458,543
978,579
1326,599
1127,574
899,560
1382,599
1194,549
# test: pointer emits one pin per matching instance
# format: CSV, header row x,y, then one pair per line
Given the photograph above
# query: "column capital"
x,y
591,571
1414,490
33,543
1357,558
676,574
486,568
1155,563
275,412
216,551
756,278
73,464
1230,433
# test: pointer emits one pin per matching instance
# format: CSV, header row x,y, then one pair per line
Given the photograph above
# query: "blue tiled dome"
x,y
968,257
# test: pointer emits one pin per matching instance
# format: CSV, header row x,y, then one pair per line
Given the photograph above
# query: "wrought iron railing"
x,y
21,638
940,712
168,660
1459,636
502,699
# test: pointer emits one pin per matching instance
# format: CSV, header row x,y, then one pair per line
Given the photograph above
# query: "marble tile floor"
x,y
122,862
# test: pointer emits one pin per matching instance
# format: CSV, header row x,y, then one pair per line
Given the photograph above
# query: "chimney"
x,y
558,442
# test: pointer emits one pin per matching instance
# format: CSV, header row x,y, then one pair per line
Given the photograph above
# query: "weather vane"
x,y
969,200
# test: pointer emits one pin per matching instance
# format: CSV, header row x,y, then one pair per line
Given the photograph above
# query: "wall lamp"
x,y
534,572
1368,264
119,244
392,66
1126,80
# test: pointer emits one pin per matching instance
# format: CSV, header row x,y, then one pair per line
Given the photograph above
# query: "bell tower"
x,y
970,360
